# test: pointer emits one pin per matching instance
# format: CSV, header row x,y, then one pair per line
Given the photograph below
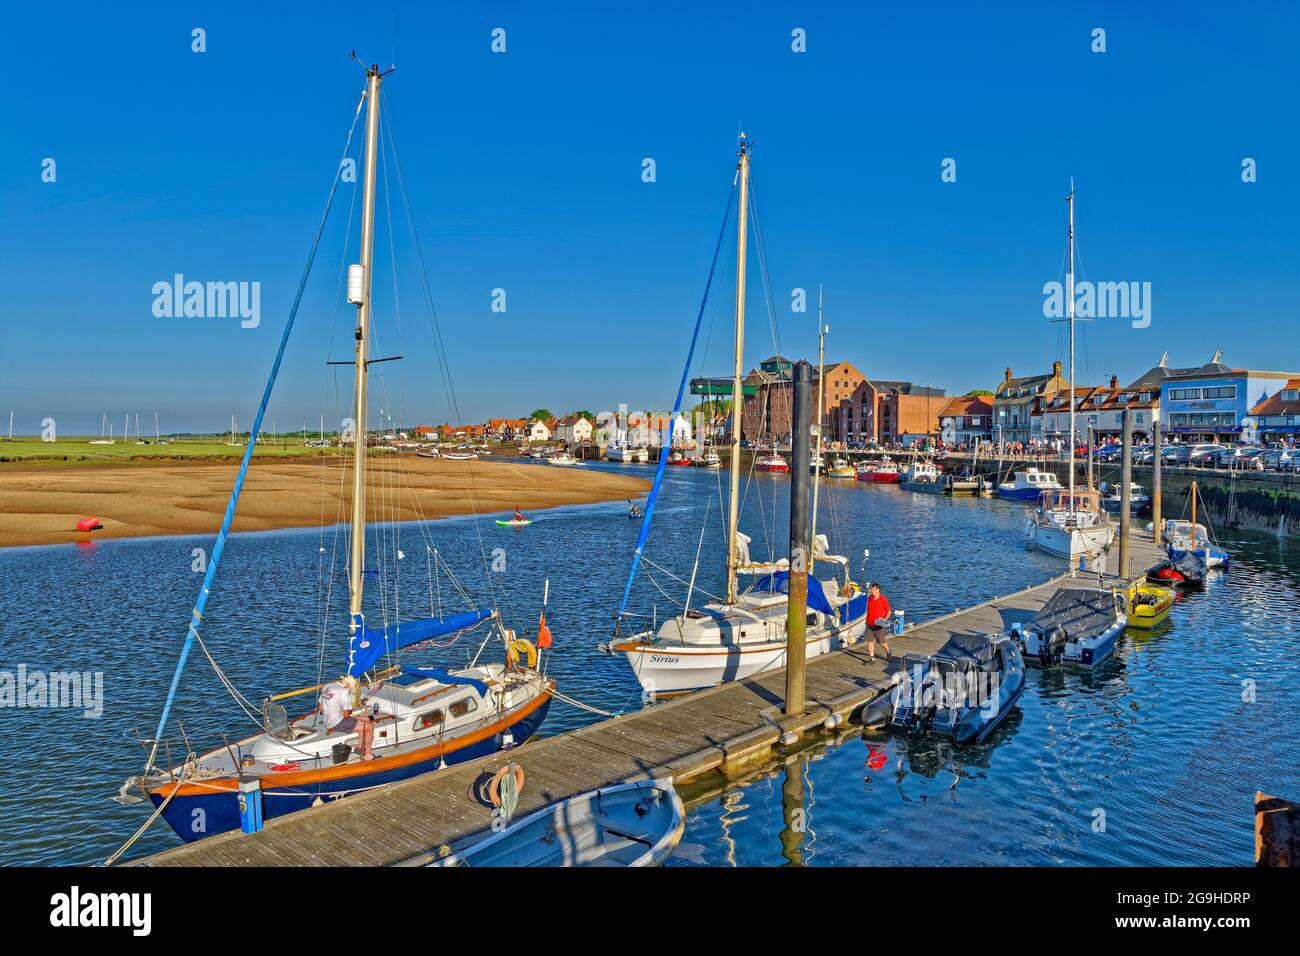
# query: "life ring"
x,y
494,785
518,646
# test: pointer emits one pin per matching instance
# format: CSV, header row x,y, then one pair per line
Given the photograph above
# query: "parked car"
x,y
1238,456
1144,454
1279,459
1202,455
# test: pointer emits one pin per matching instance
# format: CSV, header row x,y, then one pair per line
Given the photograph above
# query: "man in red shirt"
x,y
878,612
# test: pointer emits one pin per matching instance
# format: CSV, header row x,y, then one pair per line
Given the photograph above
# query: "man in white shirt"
x,y
335,706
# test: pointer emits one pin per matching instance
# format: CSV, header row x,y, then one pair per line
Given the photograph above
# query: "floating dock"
x,y
729,728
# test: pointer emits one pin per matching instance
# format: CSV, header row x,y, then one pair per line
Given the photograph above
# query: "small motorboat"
x,y
679,458
840,468
1077,627
886,472
864,471
924,477
709,459
461,455
631,824
772,463
1148,605
563,459
816,465
1028,485
962,691
1179,536
1183,569
1112,498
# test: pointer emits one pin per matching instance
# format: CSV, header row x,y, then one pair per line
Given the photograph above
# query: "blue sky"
x,y
524,172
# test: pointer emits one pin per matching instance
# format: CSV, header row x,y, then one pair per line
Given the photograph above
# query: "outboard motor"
x,y
1052,645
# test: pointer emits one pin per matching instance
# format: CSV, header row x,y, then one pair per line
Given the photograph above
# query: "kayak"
x,y
512,523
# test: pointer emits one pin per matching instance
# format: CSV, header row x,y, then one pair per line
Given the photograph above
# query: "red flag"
x,y
543,633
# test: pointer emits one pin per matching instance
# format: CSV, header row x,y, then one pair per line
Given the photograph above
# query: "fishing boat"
x,y
772,462
709,459
630,824
886,472
622,452
962,691
1077,627
924,477
1113,498
742,632
1148,605
1028,485
864,470
423,717
563,459
817,465
840,468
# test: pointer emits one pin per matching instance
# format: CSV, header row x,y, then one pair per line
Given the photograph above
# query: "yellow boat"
x,y
1148,605
840,469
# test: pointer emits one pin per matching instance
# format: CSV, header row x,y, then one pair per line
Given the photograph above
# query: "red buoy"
x,y
89,523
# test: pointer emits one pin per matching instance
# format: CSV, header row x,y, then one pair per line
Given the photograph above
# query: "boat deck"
x,y
728,728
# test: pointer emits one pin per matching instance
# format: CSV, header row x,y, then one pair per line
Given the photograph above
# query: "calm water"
x,y
1161,741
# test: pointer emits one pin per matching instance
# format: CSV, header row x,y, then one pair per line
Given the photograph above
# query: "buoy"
x,y
89,523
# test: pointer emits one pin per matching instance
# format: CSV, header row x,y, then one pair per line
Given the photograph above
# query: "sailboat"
x,y
742,633
423,717
1070,523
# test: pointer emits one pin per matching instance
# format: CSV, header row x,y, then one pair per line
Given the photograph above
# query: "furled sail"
x,y
367,646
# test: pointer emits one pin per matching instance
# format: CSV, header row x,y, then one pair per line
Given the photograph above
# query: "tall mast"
x,y
737,395
821,425
1069,311
358,553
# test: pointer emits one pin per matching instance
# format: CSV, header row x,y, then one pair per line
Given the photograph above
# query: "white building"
x,y
538,431
574,430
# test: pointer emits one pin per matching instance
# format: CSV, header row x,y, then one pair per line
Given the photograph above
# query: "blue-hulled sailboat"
x,y
423,718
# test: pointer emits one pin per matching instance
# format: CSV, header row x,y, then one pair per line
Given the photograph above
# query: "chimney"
x,y
1056,368
1114,381
1007,376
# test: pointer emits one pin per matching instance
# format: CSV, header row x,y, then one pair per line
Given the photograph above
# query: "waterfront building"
x,y
573,430
966,420
1101,409
880,410
1016,399
1277,418
769,397
538,431
1209,403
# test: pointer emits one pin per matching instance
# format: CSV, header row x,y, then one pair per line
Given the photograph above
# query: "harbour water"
x,y
1154,760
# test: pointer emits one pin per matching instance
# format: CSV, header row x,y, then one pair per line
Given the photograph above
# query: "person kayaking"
x,y
634,512
878,611
518,514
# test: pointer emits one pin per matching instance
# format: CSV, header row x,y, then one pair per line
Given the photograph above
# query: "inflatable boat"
x,y
962,691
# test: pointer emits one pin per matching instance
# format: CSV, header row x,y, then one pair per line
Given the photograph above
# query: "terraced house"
x,y
1016,399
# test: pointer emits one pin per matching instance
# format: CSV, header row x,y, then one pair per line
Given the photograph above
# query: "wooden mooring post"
x,y
797,608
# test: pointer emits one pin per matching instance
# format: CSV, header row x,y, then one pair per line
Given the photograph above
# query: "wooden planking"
x,y
415,817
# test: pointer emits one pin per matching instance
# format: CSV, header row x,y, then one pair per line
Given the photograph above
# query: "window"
x,y
462,707
1224,391
428,719
1291,394
1184,394
1139,418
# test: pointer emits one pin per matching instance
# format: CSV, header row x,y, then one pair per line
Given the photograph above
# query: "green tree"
x,y
586,414
978,391
541,414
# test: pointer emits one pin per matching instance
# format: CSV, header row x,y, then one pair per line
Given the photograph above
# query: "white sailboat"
x,y
1069,523
744,632
423,718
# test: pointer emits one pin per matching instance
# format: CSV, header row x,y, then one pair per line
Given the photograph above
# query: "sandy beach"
x,y
41,504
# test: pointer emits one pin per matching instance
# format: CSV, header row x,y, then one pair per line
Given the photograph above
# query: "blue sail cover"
x,y
443,677
367,646
779,583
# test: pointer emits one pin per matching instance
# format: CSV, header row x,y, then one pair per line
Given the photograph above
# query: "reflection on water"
x,y
1154,760
1161,742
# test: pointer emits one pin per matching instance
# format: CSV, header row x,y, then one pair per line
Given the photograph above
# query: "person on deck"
x,y
878,611
335,706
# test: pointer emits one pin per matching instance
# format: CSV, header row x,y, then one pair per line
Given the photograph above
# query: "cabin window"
x,y
812,619
462,707
428,719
